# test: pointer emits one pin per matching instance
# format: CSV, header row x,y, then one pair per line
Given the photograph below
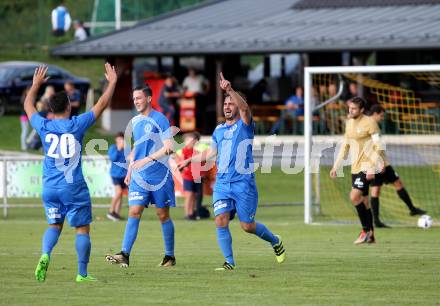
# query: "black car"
x,y
16,76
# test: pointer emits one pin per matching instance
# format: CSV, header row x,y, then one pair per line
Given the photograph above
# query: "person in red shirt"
x,y
191,174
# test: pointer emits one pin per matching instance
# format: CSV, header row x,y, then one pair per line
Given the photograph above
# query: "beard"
x,y
230,116
353,116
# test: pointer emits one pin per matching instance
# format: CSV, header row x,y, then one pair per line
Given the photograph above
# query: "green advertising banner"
x,y
24,178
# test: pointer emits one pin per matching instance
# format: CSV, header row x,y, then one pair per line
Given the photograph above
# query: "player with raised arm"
x,y
235,190
388,176
149,178
65,192
362,140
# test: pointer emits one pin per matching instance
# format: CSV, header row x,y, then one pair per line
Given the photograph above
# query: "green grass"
x,y
323,267
278,187
10,133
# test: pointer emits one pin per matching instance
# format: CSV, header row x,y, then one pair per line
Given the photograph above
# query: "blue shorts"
x,y
72,201
239,197
191,186
119,181
159,193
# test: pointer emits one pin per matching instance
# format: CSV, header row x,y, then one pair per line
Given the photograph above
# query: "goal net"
x,y
410,130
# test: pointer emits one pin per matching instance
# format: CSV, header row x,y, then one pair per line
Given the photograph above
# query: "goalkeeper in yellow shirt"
x,y
362,140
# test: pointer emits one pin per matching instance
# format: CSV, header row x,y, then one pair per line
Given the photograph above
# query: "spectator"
x,y
80,32
117,173
294,107
74,98
323,94
43,108
195,84
43,105
337,114
168,98
191,175
296,102
33,141
24,121
60,20
353,90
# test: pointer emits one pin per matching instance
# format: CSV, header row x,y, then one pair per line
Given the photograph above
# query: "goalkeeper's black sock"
x,y
363,217
369,219
404,196
375,207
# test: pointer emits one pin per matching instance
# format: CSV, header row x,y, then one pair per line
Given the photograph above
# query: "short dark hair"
x,y
119,134
358,101
70,83
59,102
376,109
145,89
194,134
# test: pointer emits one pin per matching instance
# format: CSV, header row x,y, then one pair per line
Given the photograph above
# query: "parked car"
x,y
15,76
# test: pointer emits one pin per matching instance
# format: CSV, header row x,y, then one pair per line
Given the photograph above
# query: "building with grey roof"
x,y
324,32
261,26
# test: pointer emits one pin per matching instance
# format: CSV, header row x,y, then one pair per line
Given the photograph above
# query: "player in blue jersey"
x,y
65,192
118,172
149,178
235,191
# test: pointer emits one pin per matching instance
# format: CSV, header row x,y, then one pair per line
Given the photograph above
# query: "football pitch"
x,y
323,267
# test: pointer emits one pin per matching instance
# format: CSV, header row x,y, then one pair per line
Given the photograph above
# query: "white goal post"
x,y
309,108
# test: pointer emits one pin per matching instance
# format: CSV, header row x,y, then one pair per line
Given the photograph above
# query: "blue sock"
x,y
264,233
83,247
131,231
224,240
168,237
50,239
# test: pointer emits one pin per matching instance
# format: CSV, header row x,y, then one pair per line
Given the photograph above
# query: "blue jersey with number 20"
x,y
62,143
